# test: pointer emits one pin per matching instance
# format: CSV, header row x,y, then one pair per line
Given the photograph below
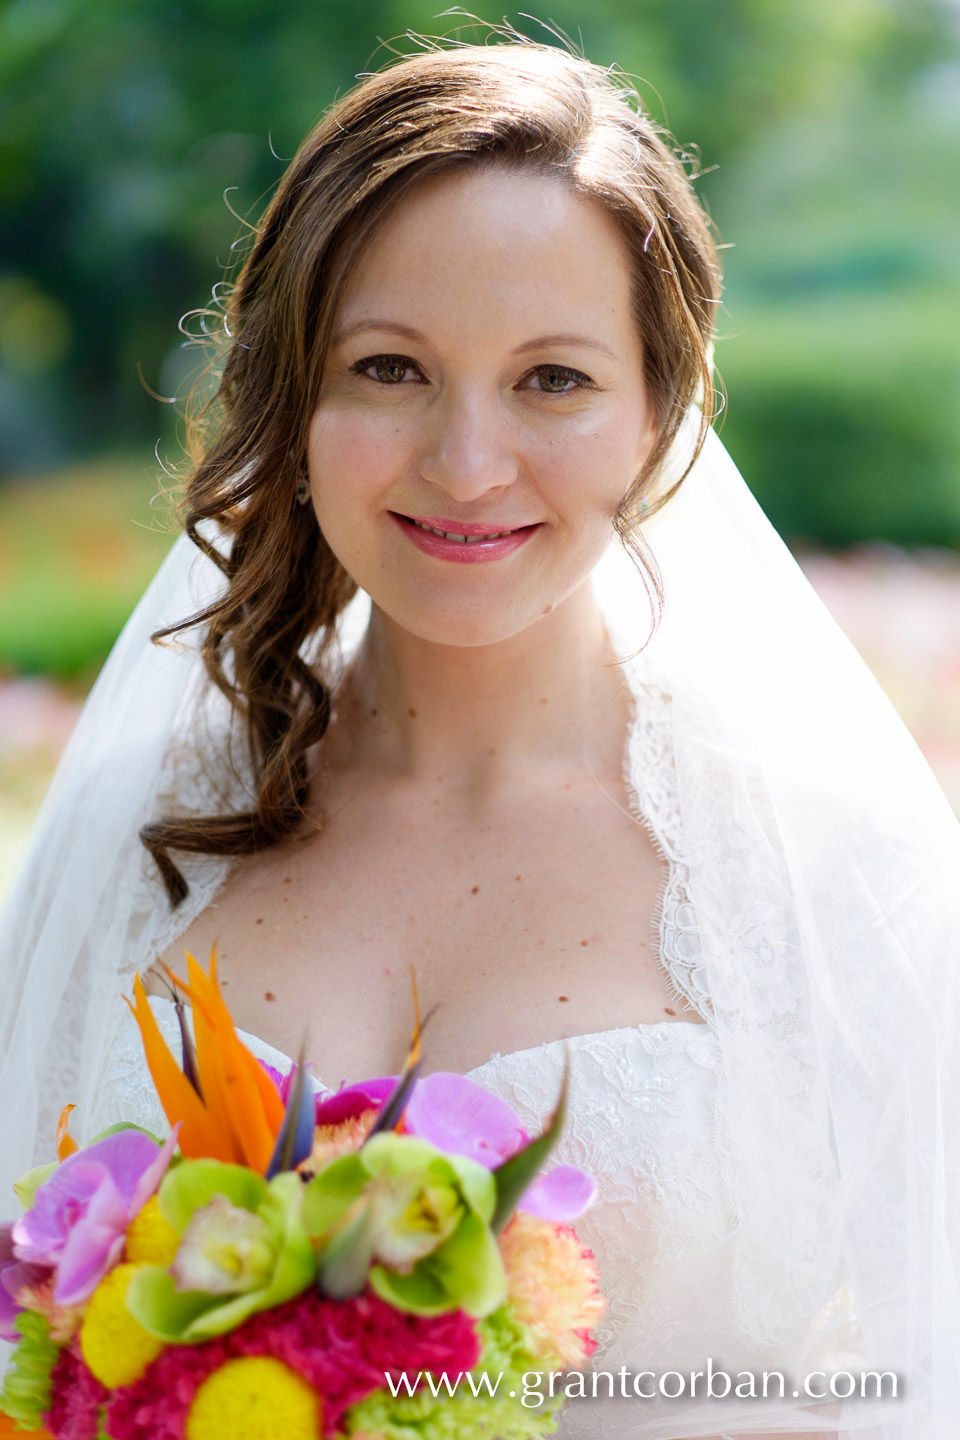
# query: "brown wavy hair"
x,y
513,104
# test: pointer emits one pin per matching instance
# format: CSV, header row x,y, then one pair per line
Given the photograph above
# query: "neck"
x,y
549,697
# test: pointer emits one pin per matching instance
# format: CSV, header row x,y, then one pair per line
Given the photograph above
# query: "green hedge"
x,y
844,416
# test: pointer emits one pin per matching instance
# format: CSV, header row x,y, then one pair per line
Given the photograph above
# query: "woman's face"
x,y
486,376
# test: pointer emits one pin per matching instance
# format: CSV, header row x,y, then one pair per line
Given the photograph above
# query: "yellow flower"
x,y
115,1347
254,1398
552,1284
151,1239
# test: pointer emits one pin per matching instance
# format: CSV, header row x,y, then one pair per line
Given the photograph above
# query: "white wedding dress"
x,y
642,1115
769,1180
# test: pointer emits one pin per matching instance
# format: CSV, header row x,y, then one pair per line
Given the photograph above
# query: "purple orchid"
x,y
460,1117
15,1276
79,1217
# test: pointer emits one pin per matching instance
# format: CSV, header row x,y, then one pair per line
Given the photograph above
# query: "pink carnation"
x,y
553,1284
76,1397
342,1349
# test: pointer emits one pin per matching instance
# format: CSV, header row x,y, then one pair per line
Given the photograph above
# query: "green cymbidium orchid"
x,y
412,1221
244,1249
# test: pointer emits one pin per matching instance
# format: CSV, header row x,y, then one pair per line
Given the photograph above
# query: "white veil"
x,y
815,925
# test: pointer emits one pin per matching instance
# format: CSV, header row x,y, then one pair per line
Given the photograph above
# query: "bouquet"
x,y
385,1263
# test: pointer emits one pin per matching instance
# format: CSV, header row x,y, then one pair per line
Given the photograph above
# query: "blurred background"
x,y
136,136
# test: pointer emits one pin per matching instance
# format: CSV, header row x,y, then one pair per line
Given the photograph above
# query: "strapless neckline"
x,y
265,1051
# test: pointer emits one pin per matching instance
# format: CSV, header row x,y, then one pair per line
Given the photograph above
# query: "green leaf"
x,y
123,1125
515,1176
347,1255
27,1186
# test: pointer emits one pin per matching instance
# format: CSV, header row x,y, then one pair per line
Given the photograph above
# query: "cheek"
x,y
353,458
588,469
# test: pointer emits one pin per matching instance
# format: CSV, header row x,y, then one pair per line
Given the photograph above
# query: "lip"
x,y
460,527
458,551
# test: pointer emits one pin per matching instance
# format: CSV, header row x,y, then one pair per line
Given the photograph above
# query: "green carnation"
x,y
510,1370
27,1383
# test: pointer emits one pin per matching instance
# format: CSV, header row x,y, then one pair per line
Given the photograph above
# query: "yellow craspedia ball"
x,y
151,1240
116,1348
254,1398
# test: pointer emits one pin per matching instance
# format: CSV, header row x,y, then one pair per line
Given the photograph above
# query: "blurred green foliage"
x,y
828,132
77,549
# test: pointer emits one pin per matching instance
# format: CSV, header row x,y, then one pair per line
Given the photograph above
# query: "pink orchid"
x,y
78,1220
459,1116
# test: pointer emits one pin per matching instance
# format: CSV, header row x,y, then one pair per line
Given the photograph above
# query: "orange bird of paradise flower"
x,y
234,1111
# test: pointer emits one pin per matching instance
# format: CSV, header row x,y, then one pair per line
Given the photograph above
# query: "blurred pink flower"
x,y
78,1220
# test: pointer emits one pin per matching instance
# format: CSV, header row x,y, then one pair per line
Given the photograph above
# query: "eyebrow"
x,y
362,326
545,342
542,342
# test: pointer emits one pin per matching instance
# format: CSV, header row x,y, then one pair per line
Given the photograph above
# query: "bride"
x,y
478,655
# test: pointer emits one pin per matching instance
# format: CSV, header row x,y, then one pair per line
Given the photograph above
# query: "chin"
x,y
465,626
467,634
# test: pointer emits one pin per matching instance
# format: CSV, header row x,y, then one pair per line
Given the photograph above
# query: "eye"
x,y
556,380
388,369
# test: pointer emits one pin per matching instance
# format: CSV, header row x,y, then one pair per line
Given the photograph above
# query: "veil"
x,y
815,926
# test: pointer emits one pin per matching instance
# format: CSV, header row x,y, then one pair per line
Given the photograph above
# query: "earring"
x,y
303,490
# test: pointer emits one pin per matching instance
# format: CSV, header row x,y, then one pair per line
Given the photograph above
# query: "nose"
x,y
468,450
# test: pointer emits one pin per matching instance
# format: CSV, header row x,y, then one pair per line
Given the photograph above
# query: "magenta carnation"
x,y
341,1348
350,1101
76,1397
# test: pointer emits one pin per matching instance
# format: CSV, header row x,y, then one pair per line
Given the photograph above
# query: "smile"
x,y
458,536
461,541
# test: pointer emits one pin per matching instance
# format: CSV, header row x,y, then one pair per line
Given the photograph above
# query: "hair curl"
x,y
514,104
